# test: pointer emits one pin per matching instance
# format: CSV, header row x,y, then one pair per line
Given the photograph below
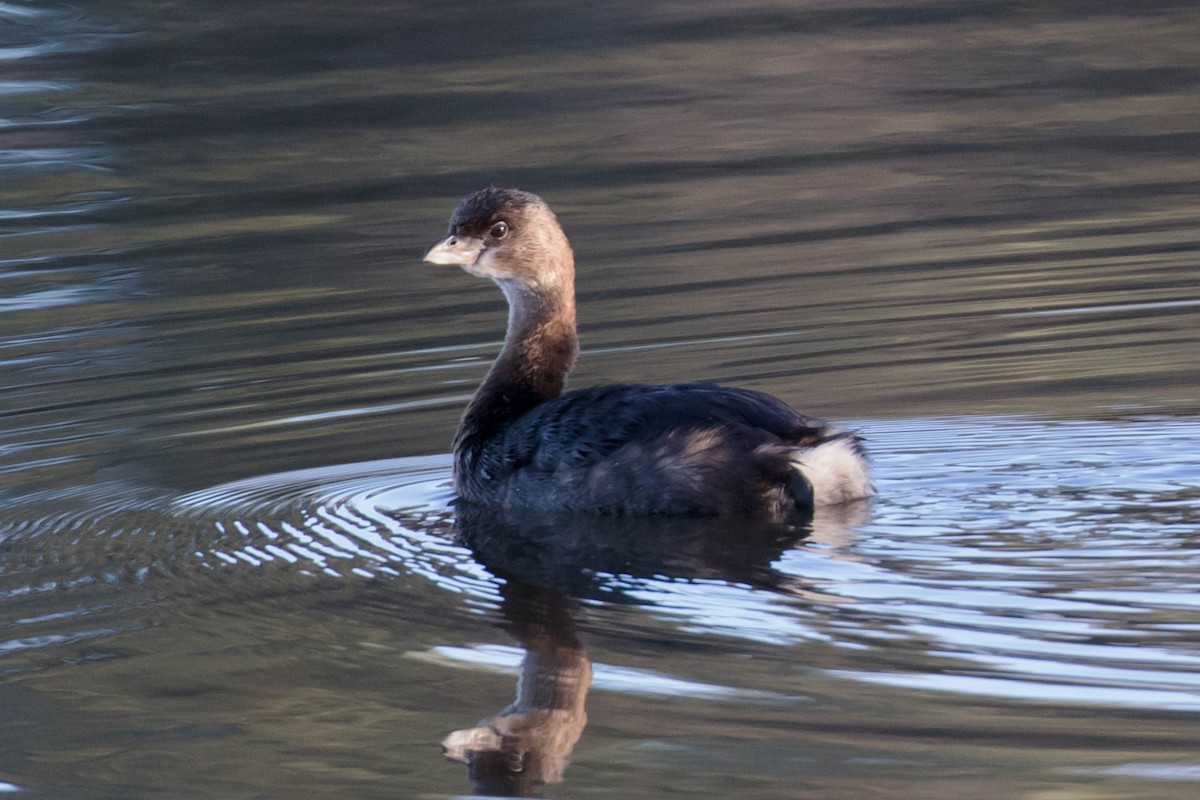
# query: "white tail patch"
x,y
837,472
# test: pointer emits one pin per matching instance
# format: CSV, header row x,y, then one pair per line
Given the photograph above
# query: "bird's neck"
x,y
539,351
539,347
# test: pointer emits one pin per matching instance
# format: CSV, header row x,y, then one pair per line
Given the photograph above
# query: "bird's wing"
x,y
585,426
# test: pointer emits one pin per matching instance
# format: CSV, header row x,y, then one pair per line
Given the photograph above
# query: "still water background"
x,y
228,564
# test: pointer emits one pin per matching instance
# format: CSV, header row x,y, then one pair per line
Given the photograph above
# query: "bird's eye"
x,y
499,230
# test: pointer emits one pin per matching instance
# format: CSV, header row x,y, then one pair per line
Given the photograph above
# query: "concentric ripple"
x,y
1007,557
371,519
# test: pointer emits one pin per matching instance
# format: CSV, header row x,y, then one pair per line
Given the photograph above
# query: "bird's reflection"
x,y
526,745
548,563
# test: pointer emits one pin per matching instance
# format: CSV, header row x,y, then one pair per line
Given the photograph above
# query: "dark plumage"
x,y
687,449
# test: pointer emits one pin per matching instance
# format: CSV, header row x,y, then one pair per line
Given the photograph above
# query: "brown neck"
x,y
539,352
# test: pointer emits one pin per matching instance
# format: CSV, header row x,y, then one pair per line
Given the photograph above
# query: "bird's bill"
x,y
462,251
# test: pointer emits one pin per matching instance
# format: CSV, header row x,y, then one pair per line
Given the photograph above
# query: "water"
x,y
229,565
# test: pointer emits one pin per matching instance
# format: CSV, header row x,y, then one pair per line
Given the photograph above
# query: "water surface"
x,y
229,563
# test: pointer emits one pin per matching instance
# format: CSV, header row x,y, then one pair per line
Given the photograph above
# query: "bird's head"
x,y
507,235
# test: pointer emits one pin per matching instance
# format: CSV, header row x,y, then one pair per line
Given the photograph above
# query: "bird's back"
x,y
684,449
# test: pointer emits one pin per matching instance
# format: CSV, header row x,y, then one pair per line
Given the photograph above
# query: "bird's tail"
x,y
836,470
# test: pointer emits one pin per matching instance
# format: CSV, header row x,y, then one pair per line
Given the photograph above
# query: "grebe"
x,y
690,449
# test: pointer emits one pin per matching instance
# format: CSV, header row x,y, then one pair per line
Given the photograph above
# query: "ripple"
x,y
389,483
1162,772
1013,558
1068,692
1046,561
372,519
605,677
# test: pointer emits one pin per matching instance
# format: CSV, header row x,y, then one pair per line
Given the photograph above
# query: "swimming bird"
x,y
689,449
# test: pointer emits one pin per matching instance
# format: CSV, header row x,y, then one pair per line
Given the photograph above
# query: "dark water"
x,y
228,562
